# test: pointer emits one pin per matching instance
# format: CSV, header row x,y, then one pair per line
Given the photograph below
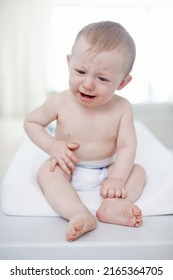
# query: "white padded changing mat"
x,y
22,196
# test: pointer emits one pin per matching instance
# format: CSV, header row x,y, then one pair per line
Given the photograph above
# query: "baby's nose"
x,y
88,84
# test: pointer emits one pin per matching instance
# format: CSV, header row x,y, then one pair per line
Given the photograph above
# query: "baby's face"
x,y
94,77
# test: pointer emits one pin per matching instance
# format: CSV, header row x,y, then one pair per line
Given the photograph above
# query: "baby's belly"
x,y
90,148
91,151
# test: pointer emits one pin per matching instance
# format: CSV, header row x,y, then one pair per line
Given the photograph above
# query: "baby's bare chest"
x,y
76,127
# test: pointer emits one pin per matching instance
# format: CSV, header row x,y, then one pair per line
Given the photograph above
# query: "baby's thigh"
x,y
46,176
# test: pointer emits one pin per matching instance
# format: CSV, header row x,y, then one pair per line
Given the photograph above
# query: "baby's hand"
x,y
113,188
61,154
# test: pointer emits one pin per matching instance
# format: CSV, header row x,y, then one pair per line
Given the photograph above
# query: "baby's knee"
x,y
140,170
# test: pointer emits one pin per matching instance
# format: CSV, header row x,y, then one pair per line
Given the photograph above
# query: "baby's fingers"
x,y
63,165
53,164
112,192
103,191
71,156
117,192
123,193
70,164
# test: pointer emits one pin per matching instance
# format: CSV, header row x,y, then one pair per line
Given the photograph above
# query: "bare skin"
x,y
120,211
80,224
123,211
116,211
65,201
90,110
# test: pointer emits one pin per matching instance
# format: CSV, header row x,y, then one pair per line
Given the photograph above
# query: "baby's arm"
x,y
60,152
118,174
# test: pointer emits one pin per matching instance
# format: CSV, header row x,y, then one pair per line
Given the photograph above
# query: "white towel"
x,y
21,194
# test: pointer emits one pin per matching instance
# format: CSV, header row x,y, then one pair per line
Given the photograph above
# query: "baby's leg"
x,y
122,210
65,201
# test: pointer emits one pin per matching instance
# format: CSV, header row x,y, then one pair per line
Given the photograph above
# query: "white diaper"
x,y
89,175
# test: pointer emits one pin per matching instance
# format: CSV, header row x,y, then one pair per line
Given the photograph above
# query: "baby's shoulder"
x,y
122,103
58,98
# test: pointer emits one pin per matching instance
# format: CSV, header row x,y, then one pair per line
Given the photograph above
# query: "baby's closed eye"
x,y
103,79
80,71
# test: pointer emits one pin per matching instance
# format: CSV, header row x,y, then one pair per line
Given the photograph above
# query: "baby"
x,y
94,133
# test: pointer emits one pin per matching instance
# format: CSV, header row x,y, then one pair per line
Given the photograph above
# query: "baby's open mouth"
x,y
87,95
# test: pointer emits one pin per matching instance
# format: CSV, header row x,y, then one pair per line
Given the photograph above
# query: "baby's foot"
x,y
118,211
79,224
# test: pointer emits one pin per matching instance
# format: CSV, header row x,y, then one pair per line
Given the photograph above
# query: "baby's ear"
x,y
124,82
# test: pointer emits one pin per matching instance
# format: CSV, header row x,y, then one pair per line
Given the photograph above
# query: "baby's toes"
x,y
70,234
74,230
134,215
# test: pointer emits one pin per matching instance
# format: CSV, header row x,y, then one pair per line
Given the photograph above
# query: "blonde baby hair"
x,y
108,36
